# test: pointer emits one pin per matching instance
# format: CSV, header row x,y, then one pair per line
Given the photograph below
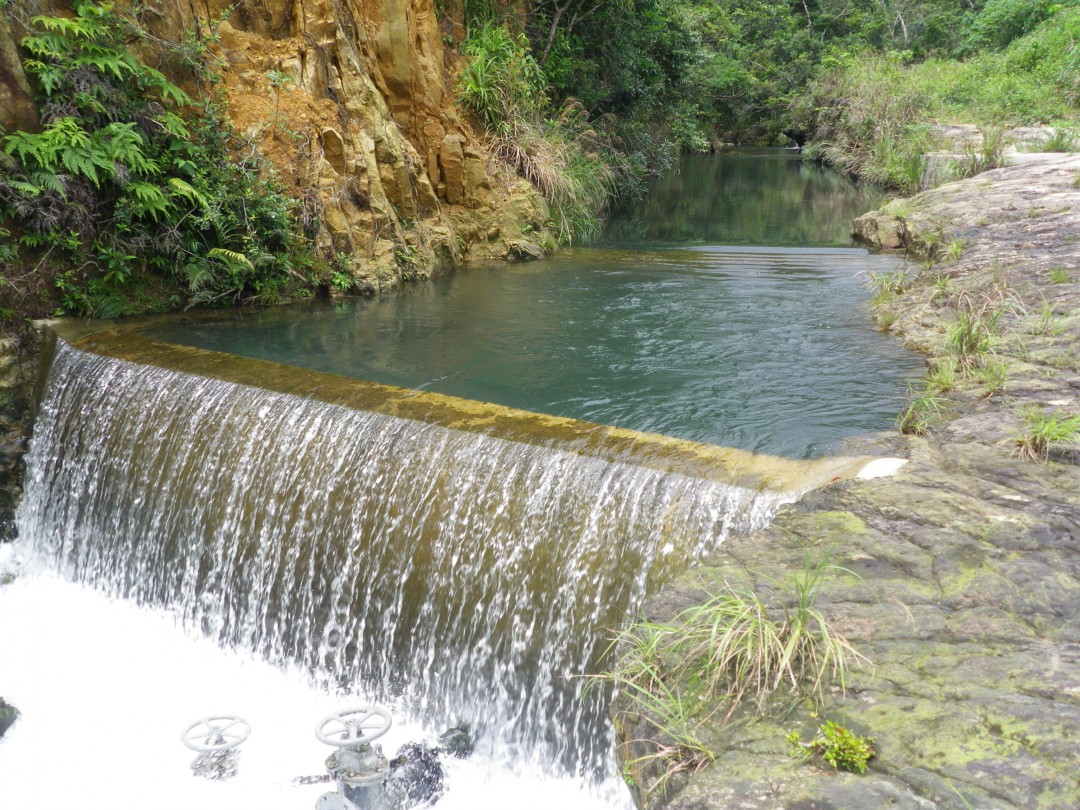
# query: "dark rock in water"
x,y
416,774
457,741
8,715
524,251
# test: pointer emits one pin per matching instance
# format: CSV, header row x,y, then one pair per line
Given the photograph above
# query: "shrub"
x,y
837,745
127,197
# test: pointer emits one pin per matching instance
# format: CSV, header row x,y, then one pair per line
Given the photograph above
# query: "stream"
x,y
191,543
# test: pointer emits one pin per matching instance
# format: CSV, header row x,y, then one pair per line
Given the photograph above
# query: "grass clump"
x,y
837,745
972,337
1059,275
922,411
942,377
1063,139
992,375
556,149
1046,323
888,283
983,155
1044,432
734,651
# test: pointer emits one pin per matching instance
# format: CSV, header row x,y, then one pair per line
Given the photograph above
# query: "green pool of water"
x,y
766,348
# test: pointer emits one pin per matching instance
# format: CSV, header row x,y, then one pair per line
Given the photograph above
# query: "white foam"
x,y
881,468
105,689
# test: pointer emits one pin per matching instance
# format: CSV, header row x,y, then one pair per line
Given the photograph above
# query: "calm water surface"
x,y
753,332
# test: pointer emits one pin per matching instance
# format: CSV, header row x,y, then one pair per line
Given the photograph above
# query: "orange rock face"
x,y
353,103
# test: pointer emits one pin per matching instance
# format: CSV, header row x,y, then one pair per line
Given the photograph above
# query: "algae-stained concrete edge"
x,y
964,583
729,465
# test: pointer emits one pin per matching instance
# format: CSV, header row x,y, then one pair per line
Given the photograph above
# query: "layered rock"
x,y
354,103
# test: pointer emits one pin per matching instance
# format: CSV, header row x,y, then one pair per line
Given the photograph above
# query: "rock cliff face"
x,y
353,103
353,100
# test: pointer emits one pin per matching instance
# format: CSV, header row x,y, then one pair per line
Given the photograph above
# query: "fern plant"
x,y
132,183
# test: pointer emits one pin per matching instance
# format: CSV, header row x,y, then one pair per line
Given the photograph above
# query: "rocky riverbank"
x,y
965,582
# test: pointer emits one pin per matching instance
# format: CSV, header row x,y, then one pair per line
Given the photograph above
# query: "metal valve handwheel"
x,y
351,728
210,734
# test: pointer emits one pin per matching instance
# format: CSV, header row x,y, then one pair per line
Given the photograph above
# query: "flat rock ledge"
x,y
967,594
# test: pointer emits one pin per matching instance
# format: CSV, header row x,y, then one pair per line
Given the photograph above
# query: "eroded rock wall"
x,y
353,101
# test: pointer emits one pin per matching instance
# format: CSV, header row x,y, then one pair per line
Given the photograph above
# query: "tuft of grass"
x,y
954,250
1044,432
943,377
992,375
988,153
972,336
1046,323
894,282
887,284
922,411
1059,275
731,651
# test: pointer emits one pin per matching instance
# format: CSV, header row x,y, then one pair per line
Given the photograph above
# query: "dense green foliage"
x,y
127,200
554,147
869,113
864,79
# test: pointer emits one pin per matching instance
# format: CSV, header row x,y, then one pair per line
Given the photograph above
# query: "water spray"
x,y
216,739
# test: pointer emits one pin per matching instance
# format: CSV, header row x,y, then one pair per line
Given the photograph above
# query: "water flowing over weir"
x,y
433,564
459,576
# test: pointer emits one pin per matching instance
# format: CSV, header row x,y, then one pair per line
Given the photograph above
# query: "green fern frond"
x,y
148,199
199,275
230,257
68,27
124,144
189,192
173,124
47,181
24,188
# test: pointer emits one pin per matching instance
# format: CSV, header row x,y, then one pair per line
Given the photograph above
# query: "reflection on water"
x,y
746,197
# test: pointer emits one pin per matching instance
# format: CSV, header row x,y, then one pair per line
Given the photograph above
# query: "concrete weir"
x,y
712,462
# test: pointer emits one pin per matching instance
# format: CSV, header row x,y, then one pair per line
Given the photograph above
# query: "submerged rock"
x,y
416,775
457,741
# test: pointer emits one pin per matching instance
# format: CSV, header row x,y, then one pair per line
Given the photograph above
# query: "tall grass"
x,y
733,651
555,149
